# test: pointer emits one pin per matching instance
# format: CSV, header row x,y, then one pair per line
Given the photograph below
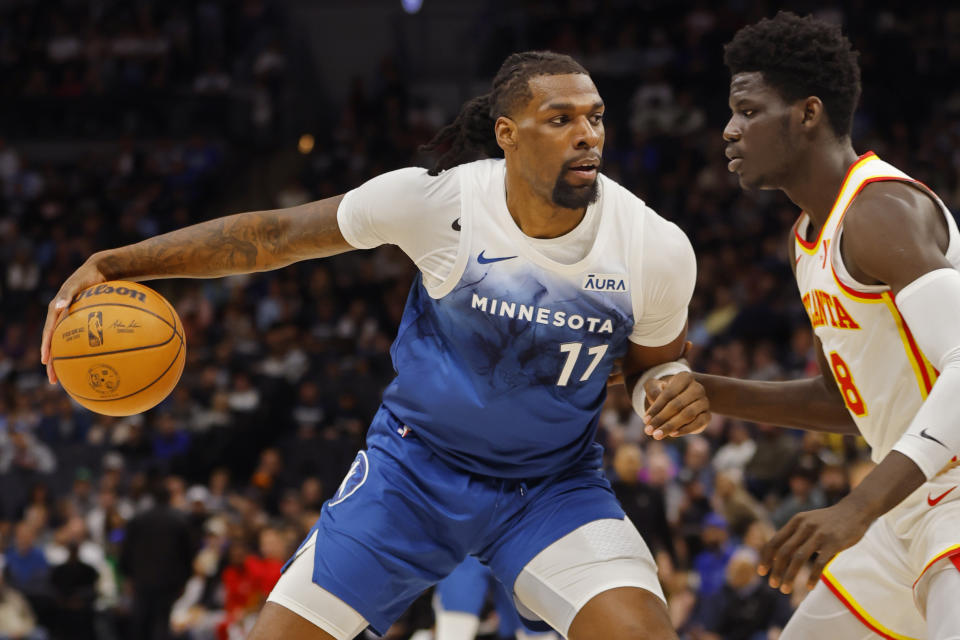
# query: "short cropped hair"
x,y
801,57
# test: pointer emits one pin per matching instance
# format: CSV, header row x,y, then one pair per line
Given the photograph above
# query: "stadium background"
x,y
121,120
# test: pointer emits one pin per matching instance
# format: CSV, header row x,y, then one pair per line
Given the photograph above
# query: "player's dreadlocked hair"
x,y
801,57
471,135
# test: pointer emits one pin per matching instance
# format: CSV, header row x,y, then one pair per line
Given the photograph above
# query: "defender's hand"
x,y
678,406
824,532
86,276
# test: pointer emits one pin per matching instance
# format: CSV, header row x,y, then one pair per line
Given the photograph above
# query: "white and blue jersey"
x,y
507,341
484,443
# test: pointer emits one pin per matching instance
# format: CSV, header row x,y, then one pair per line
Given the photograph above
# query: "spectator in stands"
x,y
25,456
771,461
157,556
172,439
644,504
25,564
834,482
804,495
712,561
744,608
75,592
734,503
242,584
738,449
17,620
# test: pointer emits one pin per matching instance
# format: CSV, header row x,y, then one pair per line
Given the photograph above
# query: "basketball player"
x,y
459,599
535,274
875,255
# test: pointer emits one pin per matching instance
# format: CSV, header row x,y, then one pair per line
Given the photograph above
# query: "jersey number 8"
x,y
851,395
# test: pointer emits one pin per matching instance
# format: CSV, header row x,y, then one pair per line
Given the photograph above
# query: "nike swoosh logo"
x,y
933,501
483,260
456,224
924,434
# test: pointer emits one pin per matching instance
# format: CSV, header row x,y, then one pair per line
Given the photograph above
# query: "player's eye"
x,y
748,112
560,120
597,118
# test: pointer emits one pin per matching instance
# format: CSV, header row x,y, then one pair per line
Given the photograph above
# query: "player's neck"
x,y
816,180
539,217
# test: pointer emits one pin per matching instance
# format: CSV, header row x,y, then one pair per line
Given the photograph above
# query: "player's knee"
x,y
623,614
639,630
276,622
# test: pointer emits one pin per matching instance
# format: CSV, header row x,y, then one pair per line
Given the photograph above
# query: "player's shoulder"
x,y
664,241
888,209
650,227
484,172
413,185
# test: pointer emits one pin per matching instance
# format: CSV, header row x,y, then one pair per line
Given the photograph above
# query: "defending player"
x,y
536,274
875,255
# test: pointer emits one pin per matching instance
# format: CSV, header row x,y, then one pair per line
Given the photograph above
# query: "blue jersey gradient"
x,y
481,387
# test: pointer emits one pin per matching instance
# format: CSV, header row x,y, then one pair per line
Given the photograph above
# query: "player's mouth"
x,y
586,170
735,160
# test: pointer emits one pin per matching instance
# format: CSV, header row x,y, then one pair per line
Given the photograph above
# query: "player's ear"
x,y
812,113
506,132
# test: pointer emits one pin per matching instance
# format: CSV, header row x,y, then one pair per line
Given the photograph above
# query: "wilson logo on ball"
x,y
102,289
104,379
95,328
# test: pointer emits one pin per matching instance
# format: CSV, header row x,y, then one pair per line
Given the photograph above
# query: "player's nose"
x,y
731,132
588,134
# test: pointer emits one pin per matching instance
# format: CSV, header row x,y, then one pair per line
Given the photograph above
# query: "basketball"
x,y
120,348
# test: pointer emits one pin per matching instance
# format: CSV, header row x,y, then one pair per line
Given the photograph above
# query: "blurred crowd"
x,y
107,67
178,521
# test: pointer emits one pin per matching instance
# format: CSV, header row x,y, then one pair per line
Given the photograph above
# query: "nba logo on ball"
x,y
95,328
355,478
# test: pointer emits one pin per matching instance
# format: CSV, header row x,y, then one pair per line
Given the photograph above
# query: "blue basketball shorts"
x,y
403,519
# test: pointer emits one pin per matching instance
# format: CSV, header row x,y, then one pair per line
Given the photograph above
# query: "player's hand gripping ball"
x,y
119,349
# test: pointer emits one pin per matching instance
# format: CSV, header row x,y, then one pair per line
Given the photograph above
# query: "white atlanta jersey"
x,y
875,360
884,378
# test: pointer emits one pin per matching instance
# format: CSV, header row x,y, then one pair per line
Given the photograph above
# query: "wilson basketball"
x,y
120,348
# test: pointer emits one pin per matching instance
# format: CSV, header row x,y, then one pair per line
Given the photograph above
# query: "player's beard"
x,y
570,197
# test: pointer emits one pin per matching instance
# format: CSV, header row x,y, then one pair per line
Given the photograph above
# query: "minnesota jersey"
x,y
502,362
882,373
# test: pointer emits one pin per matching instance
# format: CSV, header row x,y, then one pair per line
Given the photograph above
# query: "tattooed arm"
x,y
241,243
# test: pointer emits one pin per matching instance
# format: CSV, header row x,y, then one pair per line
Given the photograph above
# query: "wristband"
x,y
639,397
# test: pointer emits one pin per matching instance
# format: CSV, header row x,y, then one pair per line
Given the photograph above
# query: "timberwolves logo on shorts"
x,y
356,476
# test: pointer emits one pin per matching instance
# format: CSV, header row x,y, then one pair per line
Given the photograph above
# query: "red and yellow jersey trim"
x,y
861,614
950,552
812,247
925,373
